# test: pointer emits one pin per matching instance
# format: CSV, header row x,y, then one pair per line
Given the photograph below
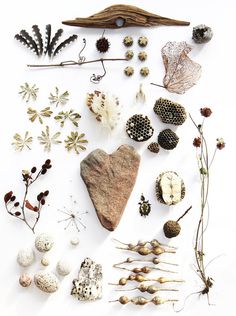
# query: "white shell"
x,y
63,267
25,257
44,242
46,281
170,188
74,241
45,261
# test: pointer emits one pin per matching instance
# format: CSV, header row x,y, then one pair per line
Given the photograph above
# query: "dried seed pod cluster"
x,y
170,112
145,248
170,188
138,128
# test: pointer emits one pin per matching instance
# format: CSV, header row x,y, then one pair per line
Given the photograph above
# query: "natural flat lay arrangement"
x,y
149,269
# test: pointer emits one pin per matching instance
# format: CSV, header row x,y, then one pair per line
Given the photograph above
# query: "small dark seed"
x,y
16,204
47,162
43,171
46,193
42,202
33,170
40,196
13,198
49,166
17,213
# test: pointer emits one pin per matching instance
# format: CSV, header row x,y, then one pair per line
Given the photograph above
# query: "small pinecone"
x,y
167,139
154,147
102,45
170,112
138,128
171,229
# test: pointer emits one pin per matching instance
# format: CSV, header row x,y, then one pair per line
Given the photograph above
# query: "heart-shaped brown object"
x,y
110,180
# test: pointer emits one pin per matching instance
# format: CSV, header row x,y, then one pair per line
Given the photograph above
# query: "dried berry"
x,y
202,34
220,143
42,202
33,170
206,112
128,41
170,112
17,213
142,41
8,196
44,171
197,142
46,193
102,45
142,56
129,54
129,71
144,71
154,147
167,139
12,199
138,128
171,229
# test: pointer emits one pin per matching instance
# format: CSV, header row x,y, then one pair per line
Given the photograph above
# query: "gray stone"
x,y
110,180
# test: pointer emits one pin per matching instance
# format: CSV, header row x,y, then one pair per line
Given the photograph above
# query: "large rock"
x,y
110,180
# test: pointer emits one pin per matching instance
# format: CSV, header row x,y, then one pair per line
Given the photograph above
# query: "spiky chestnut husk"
x,y
102,45
171,229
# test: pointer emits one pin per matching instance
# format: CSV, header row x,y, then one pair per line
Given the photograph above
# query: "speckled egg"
x,y
46,281
25,257
44,242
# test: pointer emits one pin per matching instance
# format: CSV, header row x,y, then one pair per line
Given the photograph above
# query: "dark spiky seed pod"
x,y
154,147
54,41
38,38
171,229
138,128
170,112
102,45
167,139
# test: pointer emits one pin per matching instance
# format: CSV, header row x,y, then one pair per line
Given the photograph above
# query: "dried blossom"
x,y
33,114
56,99
206,112
20,143
220,143
28,92
47,140
17,210
70,115
75,141
197,142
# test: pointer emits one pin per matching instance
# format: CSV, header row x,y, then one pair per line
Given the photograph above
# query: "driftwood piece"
x,y
121,15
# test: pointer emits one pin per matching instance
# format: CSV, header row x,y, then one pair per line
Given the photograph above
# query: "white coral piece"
x,y
106,108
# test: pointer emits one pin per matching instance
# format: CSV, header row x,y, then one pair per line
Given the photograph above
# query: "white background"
x,y
215,89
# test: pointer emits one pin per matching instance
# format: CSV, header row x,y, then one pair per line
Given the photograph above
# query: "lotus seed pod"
x,y
63,267
43,242
167,139
129,71
46,281
138,128
171,229
202,34
128,41
142,56
129,54
142,41
25,280
25,257
170,112
144,71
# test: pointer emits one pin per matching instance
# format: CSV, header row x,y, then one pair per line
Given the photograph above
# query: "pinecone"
x,y
102,45
170,112
138,128
167,139
154,147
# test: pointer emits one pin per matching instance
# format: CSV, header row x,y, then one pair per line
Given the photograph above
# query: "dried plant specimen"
x,y
33,114
47,140
75,141
59,99
28,93
68,115
140,300
21,143
181,72
106,108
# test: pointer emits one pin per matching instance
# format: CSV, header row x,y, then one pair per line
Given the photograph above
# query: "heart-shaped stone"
x,y
110,180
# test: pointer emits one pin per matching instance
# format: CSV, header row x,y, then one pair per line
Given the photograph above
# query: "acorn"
x,y
172,228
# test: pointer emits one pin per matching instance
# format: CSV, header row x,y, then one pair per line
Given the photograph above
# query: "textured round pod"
x,y
129,54
129,71
128,41
63,267
44,242
25,280
167,139
138,128
171,229
142,41
202,34
154,147
102,45
144,71
170,112
25,257
170,188
46,281
142,56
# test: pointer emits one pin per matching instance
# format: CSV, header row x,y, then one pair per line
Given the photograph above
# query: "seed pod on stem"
x,y
154,260
141,278
151,289
140,300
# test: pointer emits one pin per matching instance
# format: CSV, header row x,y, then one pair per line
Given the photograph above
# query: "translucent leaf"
x,y
181,72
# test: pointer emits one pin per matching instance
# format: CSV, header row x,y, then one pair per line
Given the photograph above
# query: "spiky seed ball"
x,y
129,71
142,56
128,41
142,41
154,147
167,139
171,229
102,45
144,71
202,34
129,54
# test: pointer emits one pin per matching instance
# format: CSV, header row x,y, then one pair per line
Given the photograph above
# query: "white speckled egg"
x,y
44,242
46,281
25,257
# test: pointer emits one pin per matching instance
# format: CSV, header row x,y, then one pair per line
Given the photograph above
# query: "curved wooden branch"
x,y
121,15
